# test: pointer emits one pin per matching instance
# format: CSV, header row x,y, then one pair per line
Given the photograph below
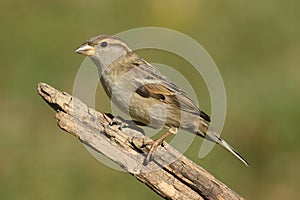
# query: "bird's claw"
x,y
154,145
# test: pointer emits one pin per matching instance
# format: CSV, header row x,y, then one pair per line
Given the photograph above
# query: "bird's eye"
x,y
103,44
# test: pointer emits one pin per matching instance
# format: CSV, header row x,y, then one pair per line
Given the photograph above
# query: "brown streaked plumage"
x,y
142,92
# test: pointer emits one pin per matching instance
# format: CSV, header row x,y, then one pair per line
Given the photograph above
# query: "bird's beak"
x,y
86,50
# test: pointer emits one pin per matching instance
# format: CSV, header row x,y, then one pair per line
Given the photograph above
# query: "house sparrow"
x,y
149,97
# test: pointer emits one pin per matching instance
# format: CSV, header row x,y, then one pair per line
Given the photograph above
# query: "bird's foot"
x,y
156,143
153,147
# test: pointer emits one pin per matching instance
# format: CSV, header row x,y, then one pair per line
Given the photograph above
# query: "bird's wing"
x,y
170,94
152,84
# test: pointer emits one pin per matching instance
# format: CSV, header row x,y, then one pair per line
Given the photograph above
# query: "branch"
x,y
169,174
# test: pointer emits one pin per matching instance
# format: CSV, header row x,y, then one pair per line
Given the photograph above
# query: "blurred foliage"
x,y
254,43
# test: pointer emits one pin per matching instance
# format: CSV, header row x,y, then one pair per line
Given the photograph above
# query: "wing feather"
x,y
171,95
155,85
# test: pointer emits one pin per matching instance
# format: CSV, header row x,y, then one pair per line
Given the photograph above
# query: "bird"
x,y
145,94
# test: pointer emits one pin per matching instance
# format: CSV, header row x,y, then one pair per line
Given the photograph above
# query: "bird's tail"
x,y
212,136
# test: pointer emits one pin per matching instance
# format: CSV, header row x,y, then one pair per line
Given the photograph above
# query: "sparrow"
x,y
146,95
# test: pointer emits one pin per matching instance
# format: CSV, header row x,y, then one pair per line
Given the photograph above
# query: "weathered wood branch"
x,y
170,174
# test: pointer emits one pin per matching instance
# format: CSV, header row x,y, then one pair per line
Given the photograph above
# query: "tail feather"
x,y
233,151
212,135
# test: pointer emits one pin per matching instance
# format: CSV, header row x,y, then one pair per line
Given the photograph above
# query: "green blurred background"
x,y
255,45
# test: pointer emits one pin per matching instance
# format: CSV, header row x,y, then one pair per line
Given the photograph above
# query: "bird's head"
x,y
104,49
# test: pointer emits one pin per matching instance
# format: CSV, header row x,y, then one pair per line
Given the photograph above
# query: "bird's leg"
x,y
155,143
